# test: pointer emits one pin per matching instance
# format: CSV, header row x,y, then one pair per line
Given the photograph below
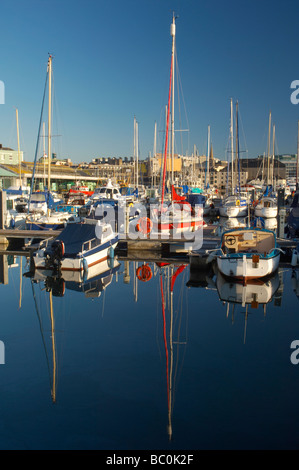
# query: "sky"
x,y
111,62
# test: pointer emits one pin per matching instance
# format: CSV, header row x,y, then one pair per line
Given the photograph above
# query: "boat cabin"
x,y
248,241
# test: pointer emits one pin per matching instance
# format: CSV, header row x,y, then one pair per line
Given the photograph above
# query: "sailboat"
x,y
234,205
266,206
41,216
177,215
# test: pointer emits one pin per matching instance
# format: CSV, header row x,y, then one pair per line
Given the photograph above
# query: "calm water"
x,y
109,368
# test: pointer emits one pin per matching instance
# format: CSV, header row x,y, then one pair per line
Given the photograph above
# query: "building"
x,y
9,156
290,163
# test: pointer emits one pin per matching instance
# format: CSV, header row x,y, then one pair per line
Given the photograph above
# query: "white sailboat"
x,y
234,205
42,217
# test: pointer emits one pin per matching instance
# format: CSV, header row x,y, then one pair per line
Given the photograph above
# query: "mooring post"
x,y
281,213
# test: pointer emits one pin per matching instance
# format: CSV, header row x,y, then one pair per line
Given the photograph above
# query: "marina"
x,y
149,258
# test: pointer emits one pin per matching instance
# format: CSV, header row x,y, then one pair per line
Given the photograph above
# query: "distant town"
x,y
128,171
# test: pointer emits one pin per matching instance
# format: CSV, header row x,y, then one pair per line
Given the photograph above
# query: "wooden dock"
x,y
22,234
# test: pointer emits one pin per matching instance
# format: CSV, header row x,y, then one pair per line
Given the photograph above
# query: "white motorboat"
x,y
79,247
248,253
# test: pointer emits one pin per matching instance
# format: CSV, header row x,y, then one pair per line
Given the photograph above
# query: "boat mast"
x,y
208,161
232,142
49,122
237,143
273,157
172,33
166,134
20,170
154,154
44,144
269,135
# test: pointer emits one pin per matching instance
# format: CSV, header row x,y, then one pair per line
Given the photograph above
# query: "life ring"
x,y
144,273
237,202
144,225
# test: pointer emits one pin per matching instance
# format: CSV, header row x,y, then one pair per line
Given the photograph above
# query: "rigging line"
x,y
240,121
37,141
180,89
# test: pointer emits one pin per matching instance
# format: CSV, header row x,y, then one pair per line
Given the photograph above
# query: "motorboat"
x,y
248,253
78,247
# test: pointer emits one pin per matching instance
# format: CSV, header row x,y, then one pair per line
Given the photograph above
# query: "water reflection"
x,y
161,284
98,278
250,295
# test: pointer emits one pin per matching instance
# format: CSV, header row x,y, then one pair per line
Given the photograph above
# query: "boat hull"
x,y
266,212
245,267
83,261
234,211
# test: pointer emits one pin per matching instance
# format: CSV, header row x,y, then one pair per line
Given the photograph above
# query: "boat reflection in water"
x,y
252,294
92,283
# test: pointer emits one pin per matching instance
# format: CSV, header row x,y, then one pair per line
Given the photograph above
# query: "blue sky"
x,y
112,62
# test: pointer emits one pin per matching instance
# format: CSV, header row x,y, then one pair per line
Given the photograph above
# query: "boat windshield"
x,y
38,197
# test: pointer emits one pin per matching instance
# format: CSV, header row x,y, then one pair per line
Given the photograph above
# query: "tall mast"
x,y
237,143
20,170
44,144
155,152
208,160
232,142
273,157
49,120
269,135
137,152
172,33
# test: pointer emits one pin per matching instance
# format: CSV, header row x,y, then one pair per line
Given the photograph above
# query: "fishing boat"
x,y
248,253
79,247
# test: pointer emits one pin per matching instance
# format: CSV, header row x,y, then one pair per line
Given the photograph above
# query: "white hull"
x,y
245,268
266,212
233,211
76,264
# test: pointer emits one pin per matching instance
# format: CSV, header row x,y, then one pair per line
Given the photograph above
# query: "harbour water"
x,y
170,363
